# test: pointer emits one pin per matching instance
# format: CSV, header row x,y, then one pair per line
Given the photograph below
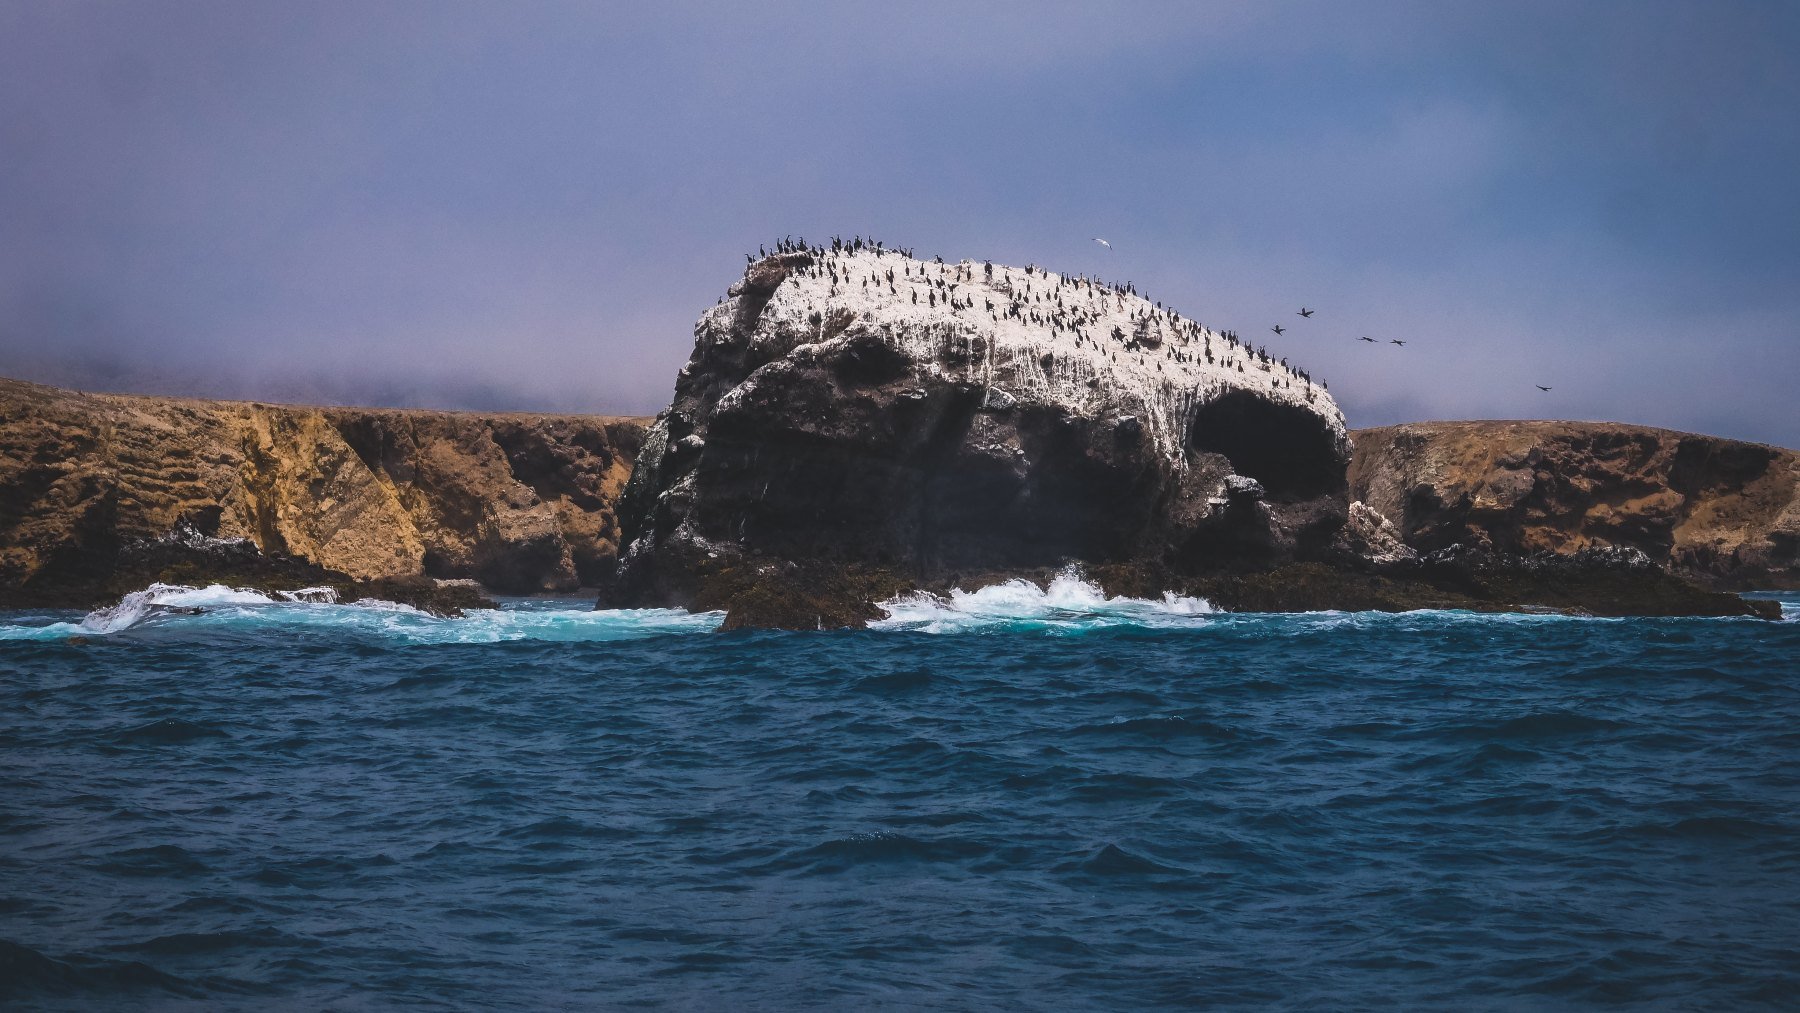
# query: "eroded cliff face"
x,y
522,503
863,407
1721,511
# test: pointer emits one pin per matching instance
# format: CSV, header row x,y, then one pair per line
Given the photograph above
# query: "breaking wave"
x,y
220,610
178,599
1068,604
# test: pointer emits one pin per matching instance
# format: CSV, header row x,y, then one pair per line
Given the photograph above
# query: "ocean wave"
x,y
170,609
178,599
36,975
1069,604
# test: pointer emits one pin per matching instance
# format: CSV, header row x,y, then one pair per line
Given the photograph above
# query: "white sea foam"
x,y
160,598
1069,603
220,609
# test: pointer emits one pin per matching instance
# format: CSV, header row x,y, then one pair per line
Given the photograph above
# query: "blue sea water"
x,y
1010,800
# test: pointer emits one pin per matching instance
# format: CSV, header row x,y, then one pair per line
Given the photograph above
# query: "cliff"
x,y
522,503
1719,511
859,407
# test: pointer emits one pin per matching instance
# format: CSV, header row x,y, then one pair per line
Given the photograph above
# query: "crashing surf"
x,y
221,610
1069,603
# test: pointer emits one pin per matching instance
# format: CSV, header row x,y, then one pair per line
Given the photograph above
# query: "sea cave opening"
x,y
1290,450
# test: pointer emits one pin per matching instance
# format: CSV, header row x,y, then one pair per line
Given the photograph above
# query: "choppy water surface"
x,y
1011,800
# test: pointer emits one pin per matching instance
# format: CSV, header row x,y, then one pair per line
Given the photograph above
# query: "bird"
x,y
1540,386
1278,329
1366,338
1305,312
1396,341
1103,242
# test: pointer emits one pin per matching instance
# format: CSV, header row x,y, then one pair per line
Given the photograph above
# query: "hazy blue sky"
x,y
525,205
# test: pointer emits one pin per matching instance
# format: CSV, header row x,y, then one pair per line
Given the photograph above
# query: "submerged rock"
x,y
1477,583
876,413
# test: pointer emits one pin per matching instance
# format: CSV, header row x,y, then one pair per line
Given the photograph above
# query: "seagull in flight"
x,y
1396,341
1540,386
1366,338
1102,242
1278,329
1305,312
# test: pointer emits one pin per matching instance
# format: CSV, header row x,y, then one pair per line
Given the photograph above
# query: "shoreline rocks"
x,y
832,445
1723,513
522,503
186,557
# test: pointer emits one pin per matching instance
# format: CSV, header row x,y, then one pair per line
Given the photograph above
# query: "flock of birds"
x,y
1307,313
1056,318
1068,306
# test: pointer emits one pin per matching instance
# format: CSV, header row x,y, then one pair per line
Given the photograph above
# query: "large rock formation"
x,y
861,407
1720,511
521,503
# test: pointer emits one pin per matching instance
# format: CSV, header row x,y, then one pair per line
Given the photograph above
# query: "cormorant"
x,y
1540,386
1305,312
1396,341
1366,338
1278,329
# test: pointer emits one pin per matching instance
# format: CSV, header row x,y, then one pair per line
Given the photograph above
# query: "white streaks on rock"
x,y
1074,343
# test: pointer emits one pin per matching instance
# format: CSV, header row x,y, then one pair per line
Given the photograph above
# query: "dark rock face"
x,y
1583,584
1718,511
1003,421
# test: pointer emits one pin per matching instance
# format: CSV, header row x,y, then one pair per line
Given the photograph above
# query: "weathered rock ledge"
x,y
101,494
1720,512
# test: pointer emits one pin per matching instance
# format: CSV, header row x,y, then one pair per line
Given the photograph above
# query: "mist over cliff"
x,y
521,207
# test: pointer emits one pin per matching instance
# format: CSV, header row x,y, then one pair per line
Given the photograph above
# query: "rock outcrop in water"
x,y
1718,511
831,446
860,408
101,493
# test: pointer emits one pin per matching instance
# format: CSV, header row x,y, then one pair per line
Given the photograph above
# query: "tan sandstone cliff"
x,y
521,502
1722,511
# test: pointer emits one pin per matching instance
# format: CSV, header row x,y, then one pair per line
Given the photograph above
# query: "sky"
x,y
527,205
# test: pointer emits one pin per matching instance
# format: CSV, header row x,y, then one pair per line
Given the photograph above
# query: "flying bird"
x,y
1305,312
1396,341
1540,386
1278,329
1103,242
1366,338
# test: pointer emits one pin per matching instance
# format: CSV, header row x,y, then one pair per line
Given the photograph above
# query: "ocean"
x,y
1014,799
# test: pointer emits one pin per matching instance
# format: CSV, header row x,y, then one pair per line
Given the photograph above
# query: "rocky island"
x,y
855,423
922,422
